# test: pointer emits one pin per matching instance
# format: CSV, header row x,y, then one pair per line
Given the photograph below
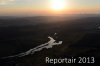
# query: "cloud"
x,y
4,2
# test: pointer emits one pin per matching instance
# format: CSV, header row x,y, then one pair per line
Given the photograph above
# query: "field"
x,y
80,36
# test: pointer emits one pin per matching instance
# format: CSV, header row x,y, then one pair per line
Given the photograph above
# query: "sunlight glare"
x,y
58,5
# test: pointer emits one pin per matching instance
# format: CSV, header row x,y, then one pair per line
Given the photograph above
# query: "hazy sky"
x,y
40,7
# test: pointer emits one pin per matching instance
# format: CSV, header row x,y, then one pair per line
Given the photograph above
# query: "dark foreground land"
x,y
80,36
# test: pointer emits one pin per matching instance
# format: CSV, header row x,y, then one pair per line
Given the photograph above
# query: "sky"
x,y
42,7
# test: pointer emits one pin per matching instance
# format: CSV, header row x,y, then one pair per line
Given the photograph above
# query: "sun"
x,y
58,5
